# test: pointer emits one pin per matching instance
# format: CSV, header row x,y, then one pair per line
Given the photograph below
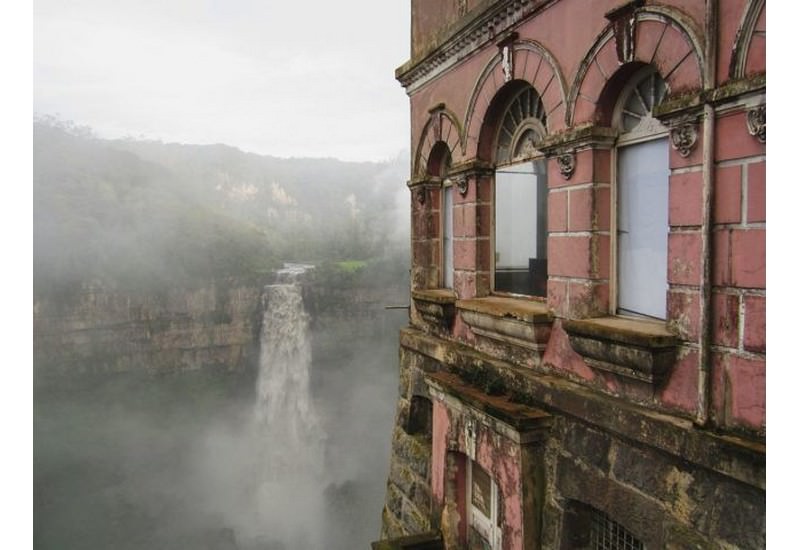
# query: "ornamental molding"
x,y
757,123
744,36
462,184
474,168
684,138
623,23
576,139
566,164
494,22
459,182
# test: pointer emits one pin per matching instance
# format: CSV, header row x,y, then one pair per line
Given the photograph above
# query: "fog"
x,y
146,458
278,78
128,464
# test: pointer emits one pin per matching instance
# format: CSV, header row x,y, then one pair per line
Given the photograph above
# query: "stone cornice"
x,y
471,34
578,138
474,167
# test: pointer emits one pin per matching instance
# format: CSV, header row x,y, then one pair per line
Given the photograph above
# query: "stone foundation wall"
x,y
669,483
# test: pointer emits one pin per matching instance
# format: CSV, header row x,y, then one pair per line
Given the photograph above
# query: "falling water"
x,y
285,416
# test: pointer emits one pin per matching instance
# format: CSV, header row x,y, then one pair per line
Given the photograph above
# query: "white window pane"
x,y
642,227
521,228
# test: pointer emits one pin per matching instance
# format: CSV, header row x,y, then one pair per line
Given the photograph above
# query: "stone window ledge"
x,y
640,349
436,306
519,322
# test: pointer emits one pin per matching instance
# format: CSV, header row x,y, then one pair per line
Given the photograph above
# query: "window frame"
x,y
490,524
654,130
521,150
445,267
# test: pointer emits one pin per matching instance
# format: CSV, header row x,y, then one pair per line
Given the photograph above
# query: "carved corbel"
x,y
566,164
462,183
420,194
757,123
684,138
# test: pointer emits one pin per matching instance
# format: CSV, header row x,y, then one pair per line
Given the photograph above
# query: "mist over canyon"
x,y
159,419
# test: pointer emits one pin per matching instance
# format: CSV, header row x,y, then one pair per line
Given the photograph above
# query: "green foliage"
x,y
351,266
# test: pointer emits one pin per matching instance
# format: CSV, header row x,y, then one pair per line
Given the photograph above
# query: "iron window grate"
x,y
607,534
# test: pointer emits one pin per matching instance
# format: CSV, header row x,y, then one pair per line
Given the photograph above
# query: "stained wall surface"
x,y
649,417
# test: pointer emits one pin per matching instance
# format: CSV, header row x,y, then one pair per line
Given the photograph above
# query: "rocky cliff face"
x,y
102,329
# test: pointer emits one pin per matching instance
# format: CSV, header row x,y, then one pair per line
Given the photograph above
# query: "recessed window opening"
x,y
447,234
439,166
520,199
483,510
447,221
607,534
642,193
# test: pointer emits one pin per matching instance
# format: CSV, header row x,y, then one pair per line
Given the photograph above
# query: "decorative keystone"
x,y
506,46
566,164
684,138
507,63
623,21
757,123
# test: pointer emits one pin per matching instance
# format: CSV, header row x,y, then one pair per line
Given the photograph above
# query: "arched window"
x,y
520,198
642,192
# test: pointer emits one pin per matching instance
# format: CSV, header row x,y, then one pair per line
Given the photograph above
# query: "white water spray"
x,y
286,419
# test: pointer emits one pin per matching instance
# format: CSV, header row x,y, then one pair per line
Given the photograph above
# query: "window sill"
x,y
640,349
436,306
518,322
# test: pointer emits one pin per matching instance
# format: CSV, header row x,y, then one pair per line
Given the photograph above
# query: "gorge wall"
x,y
100,328
103,329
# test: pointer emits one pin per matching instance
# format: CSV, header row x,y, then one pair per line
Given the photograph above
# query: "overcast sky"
x,y
284,78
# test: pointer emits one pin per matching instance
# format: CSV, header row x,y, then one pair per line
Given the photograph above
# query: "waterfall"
x,y
287,426
285,412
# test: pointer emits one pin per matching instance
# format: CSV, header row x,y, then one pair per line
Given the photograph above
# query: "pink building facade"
x,y
585,363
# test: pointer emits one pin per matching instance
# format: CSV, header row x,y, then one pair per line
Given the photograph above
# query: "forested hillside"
x,y
145,213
